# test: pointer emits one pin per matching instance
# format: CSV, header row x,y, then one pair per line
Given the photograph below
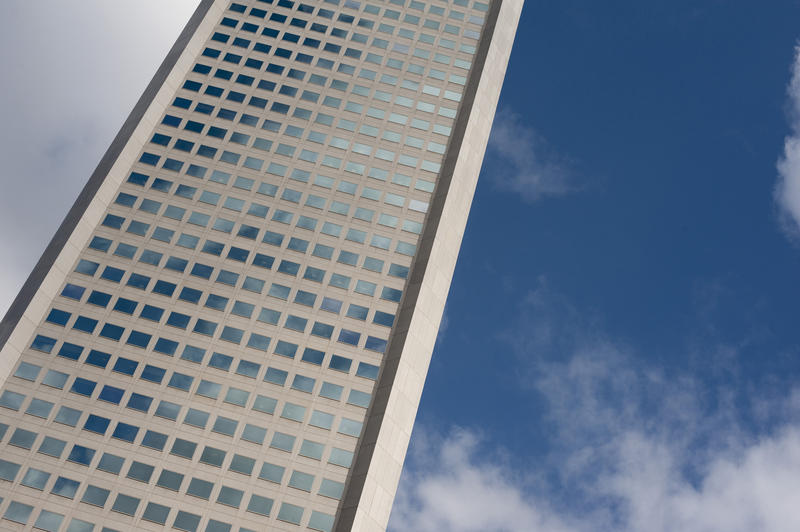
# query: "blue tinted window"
x,y
322,330
174,263
154,440
165,346
59,317
248,369
232,334
153,373
220,361
303,383
264,261
81,455
258,341
193,354
391,294
163,287
71,351
190,294
139,281
73,291
202,270
180,381
213,248
238,254
112,274
179,320
331,305
367,371
125,366
111,331
216,302
276,376
139,339
375,344
175,121
111,394
96,424
98,358
286,349
152,313
253,285
125,432
125,305
313,356
205,327
87,267
349,337
140,402
83,386
357,312
100,244
340,363
98,298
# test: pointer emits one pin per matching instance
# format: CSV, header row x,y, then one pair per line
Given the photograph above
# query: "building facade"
x,y
231,329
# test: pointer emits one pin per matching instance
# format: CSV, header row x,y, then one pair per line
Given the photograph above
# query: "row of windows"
x,y
251,232
207,327
355,4
392,63
328,161
231,58
352,53
260,260
239,308
187,449
210,328
194,417
271,237
388,14
331,101
302,176
184,382
289,150
48,521
318,137
167,479
391,13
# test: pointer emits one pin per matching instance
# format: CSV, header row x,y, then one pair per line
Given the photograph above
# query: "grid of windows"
x,y
232,309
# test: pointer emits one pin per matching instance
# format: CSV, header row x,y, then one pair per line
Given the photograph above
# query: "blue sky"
x,y
620,348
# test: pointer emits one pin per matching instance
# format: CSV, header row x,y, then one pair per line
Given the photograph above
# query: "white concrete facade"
x,y
231,330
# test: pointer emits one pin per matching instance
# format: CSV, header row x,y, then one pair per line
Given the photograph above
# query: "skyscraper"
x,y
231,329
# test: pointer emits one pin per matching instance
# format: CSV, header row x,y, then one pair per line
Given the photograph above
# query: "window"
x,y
125,504
95,496
271,472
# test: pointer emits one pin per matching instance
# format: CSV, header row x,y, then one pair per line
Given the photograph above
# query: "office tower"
x,y
231,329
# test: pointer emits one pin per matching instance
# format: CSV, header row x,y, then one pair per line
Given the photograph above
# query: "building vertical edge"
x,y
28,308
372,484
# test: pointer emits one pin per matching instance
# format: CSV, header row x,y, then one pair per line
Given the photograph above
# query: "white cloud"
x,y
641,486
454,488
634,448
524,162
787,190
69,94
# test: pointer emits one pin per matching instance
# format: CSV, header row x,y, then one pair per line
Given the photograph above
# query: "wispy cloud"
x,y
635,447
787,190
524,162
